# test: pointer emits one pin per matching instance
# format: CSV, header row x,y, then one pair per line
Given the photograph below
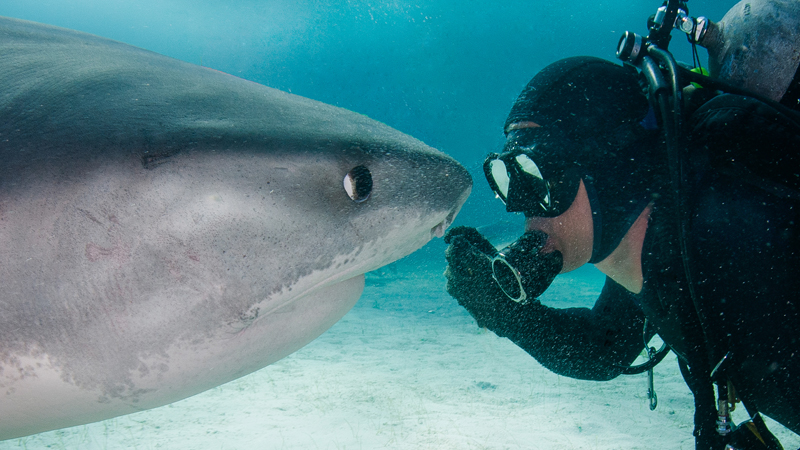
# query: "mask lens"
x,y
528,166
499,174
537,188
508,279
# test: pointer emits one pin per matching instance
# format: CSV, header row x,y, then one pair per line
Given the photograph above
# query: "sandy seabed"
x,y
408,368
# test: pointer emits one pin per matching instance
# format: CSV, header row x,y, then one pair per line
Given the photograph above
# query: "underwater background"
x,y
407,368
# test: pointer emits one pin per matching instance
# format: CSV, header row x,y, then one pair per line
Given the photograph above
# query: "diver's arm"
x,y
576,342
579,342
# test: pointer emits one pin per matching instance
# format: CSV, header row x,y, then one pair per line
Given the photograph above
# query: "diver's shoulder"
x,y
748,139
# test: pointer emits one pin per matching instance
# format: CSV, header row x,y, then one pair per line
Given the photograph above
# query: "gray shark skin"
x,y
166,228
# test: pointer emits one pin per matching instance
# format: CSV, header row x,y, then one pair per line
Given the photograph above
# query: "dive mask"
x,y
526,178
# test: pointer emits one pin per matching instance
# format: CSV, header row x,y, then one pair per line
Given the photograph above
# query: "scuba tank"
x,y
756,46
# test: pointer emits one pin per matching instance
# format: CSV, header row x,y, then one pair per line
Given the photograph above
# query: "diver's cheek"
x,y
571,233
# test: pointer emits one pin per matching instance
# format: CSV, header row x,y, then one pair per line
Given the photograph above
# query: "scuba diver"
x,y
690,204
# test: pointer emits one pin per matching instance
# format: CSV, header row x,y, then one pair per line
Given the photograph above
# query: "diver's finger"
x,y
473,236
534,239
478,240
458,246
462,252
455,232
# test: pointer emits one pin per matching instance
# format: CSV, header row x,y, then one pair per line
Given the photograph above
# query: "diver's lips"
x,y
549,245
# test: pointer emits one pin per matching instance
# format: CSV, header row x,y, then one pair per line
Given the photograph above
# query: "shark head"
x,y
167,228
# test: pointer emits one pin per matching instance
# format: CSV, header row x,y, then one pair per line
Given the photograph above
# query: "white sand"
x,y
409,369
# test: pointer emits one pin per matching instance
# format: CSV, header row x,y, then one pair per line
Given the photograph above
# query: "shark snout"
x,y
456,185
441,227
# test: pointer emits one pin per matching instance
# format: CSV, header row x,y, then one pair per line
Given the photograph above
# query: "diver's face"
x,y
571,233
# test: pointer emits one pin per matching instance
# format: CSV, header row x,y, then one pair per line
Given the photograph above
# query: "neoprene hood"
x,y
595,124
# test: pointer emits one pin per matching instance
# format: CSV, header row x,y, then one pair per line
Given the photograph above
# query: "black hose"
x,y
719,85
665,58
672,119
645,366
699,381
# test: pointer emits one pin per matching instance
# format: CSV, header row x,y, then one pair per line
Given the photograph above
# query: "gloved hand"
x,y
470,280
469,276
537,270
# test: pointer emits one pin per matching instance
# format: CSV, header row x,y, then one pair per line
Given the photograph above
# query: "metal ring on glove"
x,y
509,279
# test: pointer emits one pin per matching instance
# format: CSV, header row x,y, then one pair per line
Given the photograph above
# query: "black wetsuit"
x,y
744,266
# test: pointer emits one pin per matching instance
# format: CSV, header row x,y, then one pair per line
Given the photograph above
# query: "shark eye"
x,y
358,183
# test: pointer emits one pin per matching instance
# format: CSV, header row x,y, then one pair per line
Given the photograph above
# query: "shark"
x,y
166,228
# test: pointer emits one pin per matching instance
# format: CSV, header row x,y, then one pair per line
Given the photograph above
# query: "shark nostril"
x,y
358,184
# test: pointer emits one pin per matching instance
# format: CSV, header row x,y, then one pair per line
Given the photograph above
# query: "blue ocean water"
x,y
443,71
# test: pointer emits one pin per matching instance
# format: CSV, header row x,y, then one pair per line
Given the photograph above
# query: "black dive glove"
x,y
471,281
